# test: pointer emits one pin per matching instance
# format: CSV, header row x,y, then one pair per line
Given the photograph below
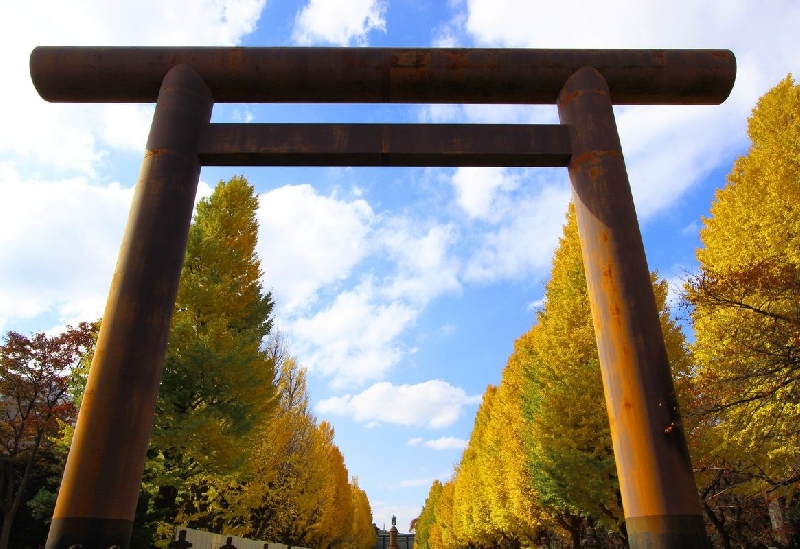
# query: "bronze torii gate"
x,y
97,499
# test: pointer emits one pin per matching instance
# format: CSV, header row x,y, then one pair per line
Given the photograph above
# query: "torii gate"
x,y
98,495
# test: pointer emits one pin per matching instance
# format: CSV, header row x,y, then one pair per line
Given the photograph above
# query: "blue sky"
x,y
401,290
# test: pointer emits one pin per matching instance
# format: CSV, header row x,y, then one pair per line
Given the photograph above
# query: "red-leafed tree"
x,y
34,396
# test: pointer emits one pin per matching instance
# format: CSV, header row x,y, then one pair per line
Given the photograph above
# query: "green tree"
x,y
426,517
569,441
746,308
34,398
218,378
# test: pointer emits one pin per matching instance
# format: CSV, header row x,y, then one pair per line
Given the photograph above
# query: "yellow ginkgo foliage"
x,y
746,298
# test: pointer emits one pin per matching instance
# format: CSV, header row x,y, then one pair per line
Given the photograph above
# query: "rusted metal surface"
x,y
658,490
420,145
97,499
382,75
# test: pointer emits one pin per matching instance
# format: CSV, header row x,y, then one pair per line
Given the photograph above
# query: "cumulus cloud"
x,y
425,265
57,254
338,22
355,339
307,241
478,190
349,282
125,126
433,404
446,443
521,246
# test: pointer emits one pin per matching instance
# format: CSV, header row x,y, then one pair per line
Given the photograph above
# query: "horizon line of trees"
x,y
539,464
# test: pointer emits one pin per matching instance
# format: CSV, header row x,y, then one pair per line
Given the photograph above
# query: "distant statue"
x,y
181,542
394,520
228,544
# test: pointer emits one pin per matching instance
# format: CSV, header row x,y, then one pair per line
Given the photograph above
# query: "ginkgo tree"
x,y
426,519
297,491
218,379
568,440
515,505
362,533
745,306
471,505
286,470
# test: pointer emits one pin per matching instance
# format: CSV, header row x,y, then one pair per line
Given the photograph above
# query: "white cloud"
x,y
522,245
425,266
446,443
488,114
355,340
536,304
692,229
125,126
434,404
338,22
313,247
478,190
307,241
691,23
57,254
443,443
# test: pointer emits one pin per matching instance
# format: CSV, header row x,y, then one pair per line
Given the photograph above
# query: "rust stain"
x,y
595,155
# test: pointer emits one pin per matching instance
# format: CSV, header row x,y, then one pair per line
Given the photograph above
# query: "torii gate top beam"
x,y
382,75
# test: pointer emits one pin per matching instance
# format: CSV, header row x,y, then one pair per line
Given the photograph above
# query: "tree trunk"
x,y
5,533
11,511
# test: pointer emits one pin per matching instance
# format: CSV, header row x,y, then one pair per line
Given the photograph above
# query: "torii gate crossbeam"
x,y
97,499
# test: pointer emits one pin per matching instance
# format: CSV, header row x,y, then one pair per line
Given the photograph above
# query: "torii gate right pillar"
x,y
662,509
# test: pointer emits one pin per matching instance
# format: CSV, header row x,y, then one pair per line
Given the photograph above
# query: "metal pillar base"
x,y
667,532
89,532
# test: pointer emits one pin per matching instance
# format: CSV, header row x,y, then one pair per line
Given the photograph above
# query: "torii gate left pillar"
x,y
102,479
97,500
